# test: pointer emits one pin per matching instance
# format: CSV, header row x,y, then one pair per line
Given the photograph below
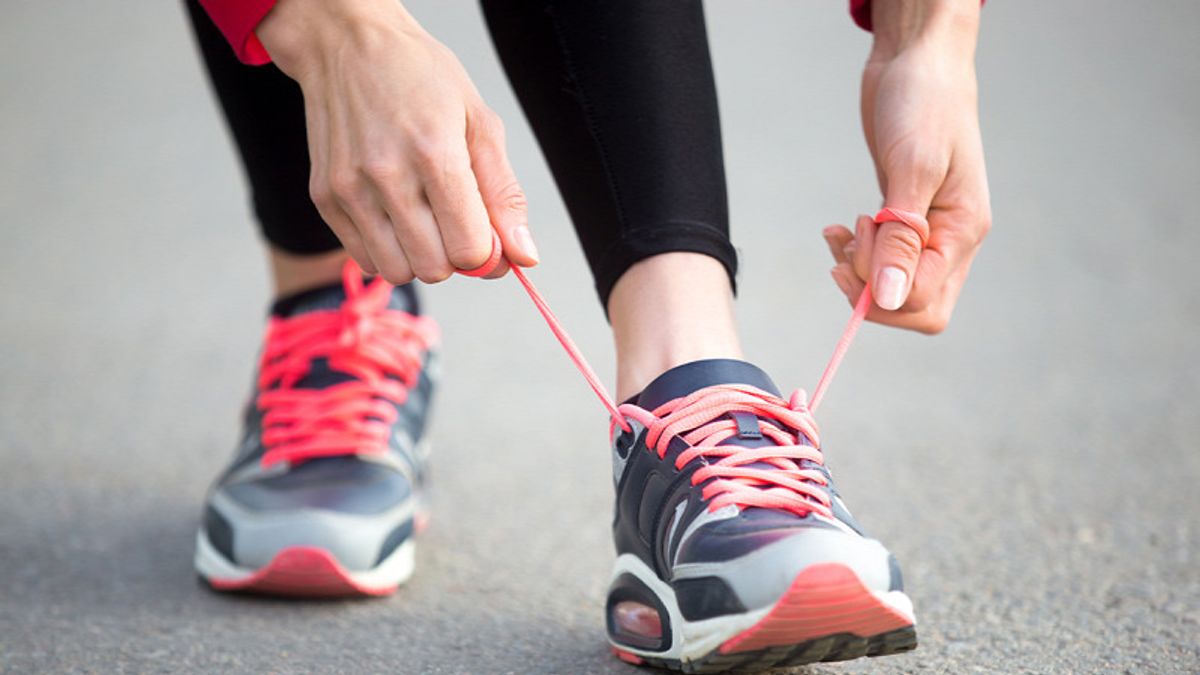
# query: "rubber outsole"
x,y
839,647
827,614
308,571
302,571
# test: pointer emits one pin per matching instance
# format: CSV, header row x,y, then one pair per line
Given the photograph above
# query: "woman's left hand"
x,y
921,120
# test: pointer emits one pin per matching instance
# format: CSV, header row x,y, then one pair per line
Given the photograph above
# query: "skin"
x,y
668,310
410,171
408,164
921,121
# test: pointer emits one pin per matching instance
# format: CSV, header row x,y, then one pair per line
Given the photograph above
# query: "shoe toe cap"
x,y
760,577
357,511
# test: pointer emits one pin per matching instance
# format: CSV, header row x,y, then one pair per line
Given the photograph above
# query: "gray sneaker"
x,y
734,550
324,494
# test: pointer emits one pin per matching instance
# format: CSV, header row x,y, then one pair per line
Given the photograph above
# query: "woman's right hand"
x,y
408,164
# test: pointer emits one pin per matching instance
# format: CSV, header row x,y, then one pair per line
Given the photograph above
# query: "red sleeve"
x,y
860,10
237,20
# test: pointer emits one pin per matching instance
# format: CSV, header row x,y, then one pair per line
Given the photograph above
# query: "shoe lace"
x,y
784,476
789,483
381,349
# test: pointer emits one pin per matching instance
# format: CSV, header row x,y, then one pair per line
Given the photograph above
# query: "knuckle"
x,y
396,277
434,273
344,184
320,193
381,169
488,123
429,153
322,197
394,271
922,165
469,256
901,240
365,264
985,224
509,198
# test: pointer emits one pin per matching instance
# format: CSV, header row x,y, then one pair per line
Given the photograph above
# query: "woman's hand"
x,y
921,120
408,164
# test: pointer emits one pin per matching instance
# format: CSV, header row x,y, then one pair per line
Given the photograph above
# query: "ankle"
x,y
668,310
292,273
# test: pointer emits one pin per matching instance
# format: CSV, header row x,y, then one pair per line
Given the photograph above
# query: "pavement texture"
x,y
1035,468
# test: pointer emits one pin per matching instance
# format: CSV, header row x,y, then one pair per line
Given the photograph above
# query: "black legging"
x,y
620,95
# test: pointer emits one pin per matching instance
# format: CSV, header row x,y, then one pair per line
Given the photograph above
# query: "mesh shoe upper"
x,y
331,456
722,491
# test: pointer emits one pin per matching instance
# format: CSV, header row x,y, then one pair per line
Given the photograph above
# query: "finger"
x,y
847,281
414,226
894,257
933,270
457,207
344,229
321,193
372,223
935,316
864,245
502,194
501,270
393,263
911,185
837,237
386,191
955,239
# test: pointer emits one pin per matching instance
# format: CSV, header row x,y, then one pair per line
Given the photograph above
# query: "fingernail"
x,y
889,288
849,250
525,242
829,231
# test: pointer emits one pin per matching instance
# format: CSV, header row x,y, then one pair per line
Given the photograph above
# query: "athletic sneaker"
x,y
734,550
324,493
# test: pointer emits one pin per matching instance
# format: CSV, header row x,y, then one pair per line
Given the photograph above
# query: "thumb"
x,y
902,235
502,194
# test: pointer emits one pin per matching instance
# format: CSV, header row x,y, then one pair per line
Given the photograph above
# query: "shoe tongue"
x,y
683,380
331,297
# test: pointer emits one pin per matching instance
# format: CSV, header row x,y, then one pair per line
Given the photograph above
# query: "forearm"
x,y
949,26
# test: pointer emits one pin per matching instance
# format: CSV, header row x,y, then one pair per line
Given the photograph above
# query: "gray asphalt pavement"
x,y
1035,469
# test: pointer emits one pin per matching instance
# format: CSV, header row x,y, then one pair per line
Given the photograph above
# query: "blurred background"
x,y
1034,468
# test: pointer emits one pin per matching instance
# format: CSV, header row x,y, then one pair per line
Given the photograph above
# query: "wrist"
x,y
297,32
947,26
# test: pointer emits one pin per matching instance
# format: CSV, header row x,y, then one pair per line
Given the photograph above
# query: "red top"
x,y
860,10
237,20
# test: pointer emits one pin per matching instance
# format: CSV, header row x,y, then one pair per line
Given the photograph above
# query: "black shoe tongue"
x,y
683,380
332,296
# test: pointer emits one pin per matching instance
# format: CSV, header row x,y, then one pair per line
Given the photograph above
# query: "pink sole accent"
x,y
302,571
627,657
420,522
823,600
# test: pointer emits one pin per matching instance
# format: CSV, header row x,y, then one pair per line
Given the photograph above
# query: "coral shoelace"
x,y
772,477
383,349
380,348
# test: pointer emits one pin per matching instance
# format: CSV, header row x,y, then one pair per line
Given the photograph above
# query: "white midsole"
x,y
394,570
691,640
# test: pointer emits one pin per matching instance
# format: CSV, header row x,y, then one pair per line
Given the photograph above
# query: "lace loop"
x,y
775,477
379,350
